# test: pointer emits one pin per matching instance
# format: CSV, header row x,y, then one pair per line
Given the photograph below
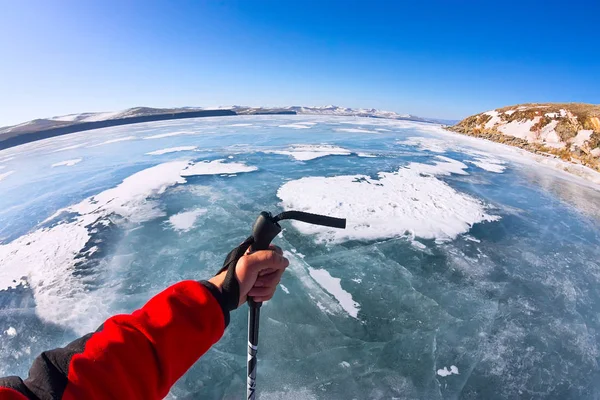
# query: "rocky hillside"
x,y
570,131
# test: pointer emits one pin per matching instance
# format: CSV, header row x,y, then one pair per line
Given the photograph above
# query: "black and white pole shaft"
x,y
253,320
265,229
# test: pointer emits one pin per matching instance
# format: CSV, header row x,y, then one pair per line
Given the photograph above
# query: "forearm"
x,y
140,355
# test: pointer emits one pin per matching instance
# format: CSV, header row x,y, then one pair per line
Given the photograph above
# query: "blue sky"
x,y
446,59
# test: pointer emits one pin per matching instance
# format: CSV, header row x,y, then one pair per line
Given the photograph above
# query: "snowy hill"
x,y
570,131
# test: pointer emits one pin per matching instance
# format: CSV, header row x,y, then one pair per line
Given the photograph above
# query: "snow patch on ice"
x,y
123,139
47,256
411,201
305,152
366,155
295,126
355,130
345,364
472,239
285,289
129,198
11,332
489,164
216,167
447,372
423,143
240,125
318,295
164,135
184,221
333,286
6,175
171,150
67,163
75,146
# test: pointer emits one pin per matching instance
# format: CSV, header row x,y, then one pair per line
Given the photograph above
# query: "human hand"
x,y
258,274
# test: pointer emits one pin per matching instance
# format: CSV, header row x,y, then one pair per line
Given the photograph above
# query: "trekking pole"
x,y
264,230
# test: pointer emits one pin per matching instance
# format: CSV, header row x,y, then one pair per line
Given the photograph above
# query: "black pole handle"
x,y
264,230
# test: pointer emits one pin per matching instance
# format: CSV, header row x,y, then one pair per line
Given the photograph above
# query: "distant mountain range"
x,y
570,131
38,129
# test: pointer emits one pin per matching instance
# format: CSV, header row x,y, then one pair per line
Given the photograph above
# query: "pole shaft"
x,y
253,325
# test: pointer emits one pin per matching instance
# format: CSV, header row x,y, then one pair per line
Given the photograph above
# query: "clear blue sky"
x,y
444,59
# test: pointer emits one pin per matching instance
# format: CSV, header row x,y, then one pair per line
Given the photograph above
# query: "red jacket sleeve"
x,y
137,356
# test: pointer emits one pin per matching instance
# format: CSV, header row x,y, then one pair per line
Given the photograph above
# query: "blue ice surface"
x,y
512,304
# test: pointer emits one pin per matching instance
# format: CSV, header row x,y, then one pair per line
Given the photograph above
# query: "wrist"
x,y
218,280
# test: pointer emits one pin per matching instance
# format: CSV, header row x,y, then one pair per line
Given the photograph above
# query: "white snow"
x,y
123,139
582,136
102,116
510,112
66,118
285,289
332,286
2,166
171,150
129,198
216,167
305,152
345,364
184,221
496,119
320,297
240,125
411,201
447,372
355,130
11,332
295,126
6,175
47,256
489,164
424,143
366,155
67,163
164,135
75,146
520,129
549,136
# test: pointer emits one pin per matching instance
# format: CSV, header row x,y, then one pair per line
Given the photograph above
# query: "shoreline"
x,y
42,134
583,174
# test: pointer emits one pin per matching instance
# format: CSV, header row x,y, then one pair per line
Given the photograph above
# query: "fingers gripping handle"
x,y
265,229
